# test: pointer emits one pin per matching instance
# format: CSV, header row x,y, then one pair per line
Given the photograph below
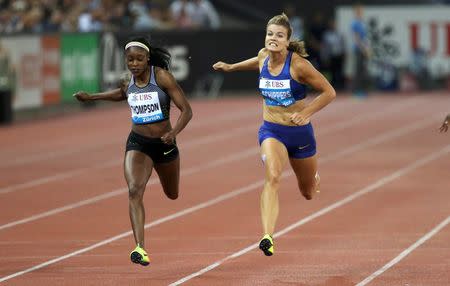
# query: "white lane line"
x,y
394,108
204,140
346,103
184,172
368,189
208,203
407,251
223,117
370,142
152,224
64,175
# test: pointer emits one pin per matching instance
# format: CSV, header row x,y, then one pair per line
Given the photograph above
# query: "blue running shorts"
x,y
299,140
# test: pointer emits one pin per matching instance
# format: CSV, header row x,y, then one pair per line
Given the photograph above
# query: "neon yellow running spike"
x,y
139,256
266,245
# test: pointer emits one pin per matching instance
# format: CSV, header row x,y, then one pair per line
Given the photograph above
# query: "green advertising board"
x,y
80,68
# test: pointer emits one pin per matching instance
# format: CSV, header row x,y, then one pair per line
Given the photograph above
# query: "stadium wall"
x,y
50,68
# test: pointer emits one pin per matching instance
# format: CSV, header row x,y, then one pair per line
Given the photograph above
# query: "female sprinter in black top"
x,y
151,143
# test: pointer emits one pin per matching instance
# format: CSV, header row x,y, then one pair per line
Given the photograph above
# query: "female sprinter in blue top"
x,y
286,133
151,143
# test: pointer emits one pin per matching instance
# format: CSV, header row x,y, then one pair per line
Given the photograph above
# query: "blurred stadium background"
x,y
50,49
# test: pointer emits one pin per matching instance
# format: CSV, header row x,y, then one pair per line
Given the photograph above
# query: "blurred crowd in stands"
x,y
325,43
40,16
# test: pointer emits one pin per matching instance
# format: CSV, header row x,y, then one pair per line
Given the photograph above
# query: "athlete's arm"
x,y
168,83
246,65
117,94
444,126
305,72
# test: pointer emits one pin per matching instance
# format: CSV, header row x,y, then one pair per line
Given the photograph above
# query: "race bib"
x,y
145,107
276,92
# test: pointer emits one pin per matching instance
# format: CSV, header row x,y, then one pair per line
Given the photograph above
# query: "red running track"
x,y
381,218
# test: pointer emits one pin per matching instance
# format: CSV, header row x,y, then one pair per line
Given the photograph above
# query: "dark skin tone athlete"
x,y
138,166
444,126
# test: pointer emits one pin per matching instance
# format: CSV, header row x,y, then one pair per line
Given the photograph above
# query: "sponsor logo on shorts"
x,y
303,147
165,153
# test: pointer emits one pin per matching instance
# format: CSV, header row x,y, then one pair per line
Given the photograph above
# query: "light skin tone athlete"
x,y
138,166
273,152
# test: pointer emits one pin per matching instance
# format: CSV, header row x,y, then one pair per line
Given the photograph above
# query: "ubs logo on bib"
x,y
145,96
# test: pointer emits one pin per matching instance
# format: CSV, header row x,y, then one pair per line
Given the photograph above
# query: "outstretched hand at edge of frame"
x,y
81,96
444,126
221,66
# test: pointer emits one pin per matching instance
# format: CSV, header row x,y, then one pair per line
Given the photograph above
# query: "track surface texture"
x,y
381,218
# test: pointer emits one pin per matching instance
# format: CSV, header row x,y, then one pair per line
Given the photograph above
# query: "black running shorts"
x,y
157,150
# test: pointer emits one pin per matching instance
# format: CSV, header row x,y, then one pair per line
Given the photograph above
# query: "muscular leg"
x,y
169,176
138,168
305,170
276,157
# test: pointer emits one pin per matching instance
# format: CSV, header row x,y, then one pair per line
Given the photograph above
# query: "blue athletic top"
x,y
148,104
280,90
359,28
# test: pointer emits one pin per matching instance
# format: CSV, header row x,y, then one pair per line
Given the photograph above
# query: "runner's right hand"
x,y
221,66
444,126
81,96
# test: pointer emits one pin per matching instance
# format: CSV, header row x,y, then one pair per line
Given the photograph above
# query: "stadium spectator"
x,y
205,15
361,52
332,54
182,12
7,86
143,20
314,39
297,24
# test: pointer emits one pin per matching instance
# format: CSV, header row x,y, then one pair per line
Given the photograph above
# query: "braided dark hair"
x,y
159,57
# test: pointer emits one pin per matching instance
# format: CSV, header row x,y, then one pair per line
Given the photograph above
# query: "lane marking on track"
x,y
203,140
55,154
368,189
184,172
247,189
407,251
372,141
64,175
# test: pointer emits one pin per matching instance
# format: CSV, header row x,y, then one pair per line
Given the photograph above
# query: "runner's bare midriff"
x,y
152,130
280,114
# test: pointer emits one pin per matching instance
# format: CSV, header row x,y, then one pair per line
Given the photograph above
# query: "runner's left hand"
x,y
299,119
168,138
